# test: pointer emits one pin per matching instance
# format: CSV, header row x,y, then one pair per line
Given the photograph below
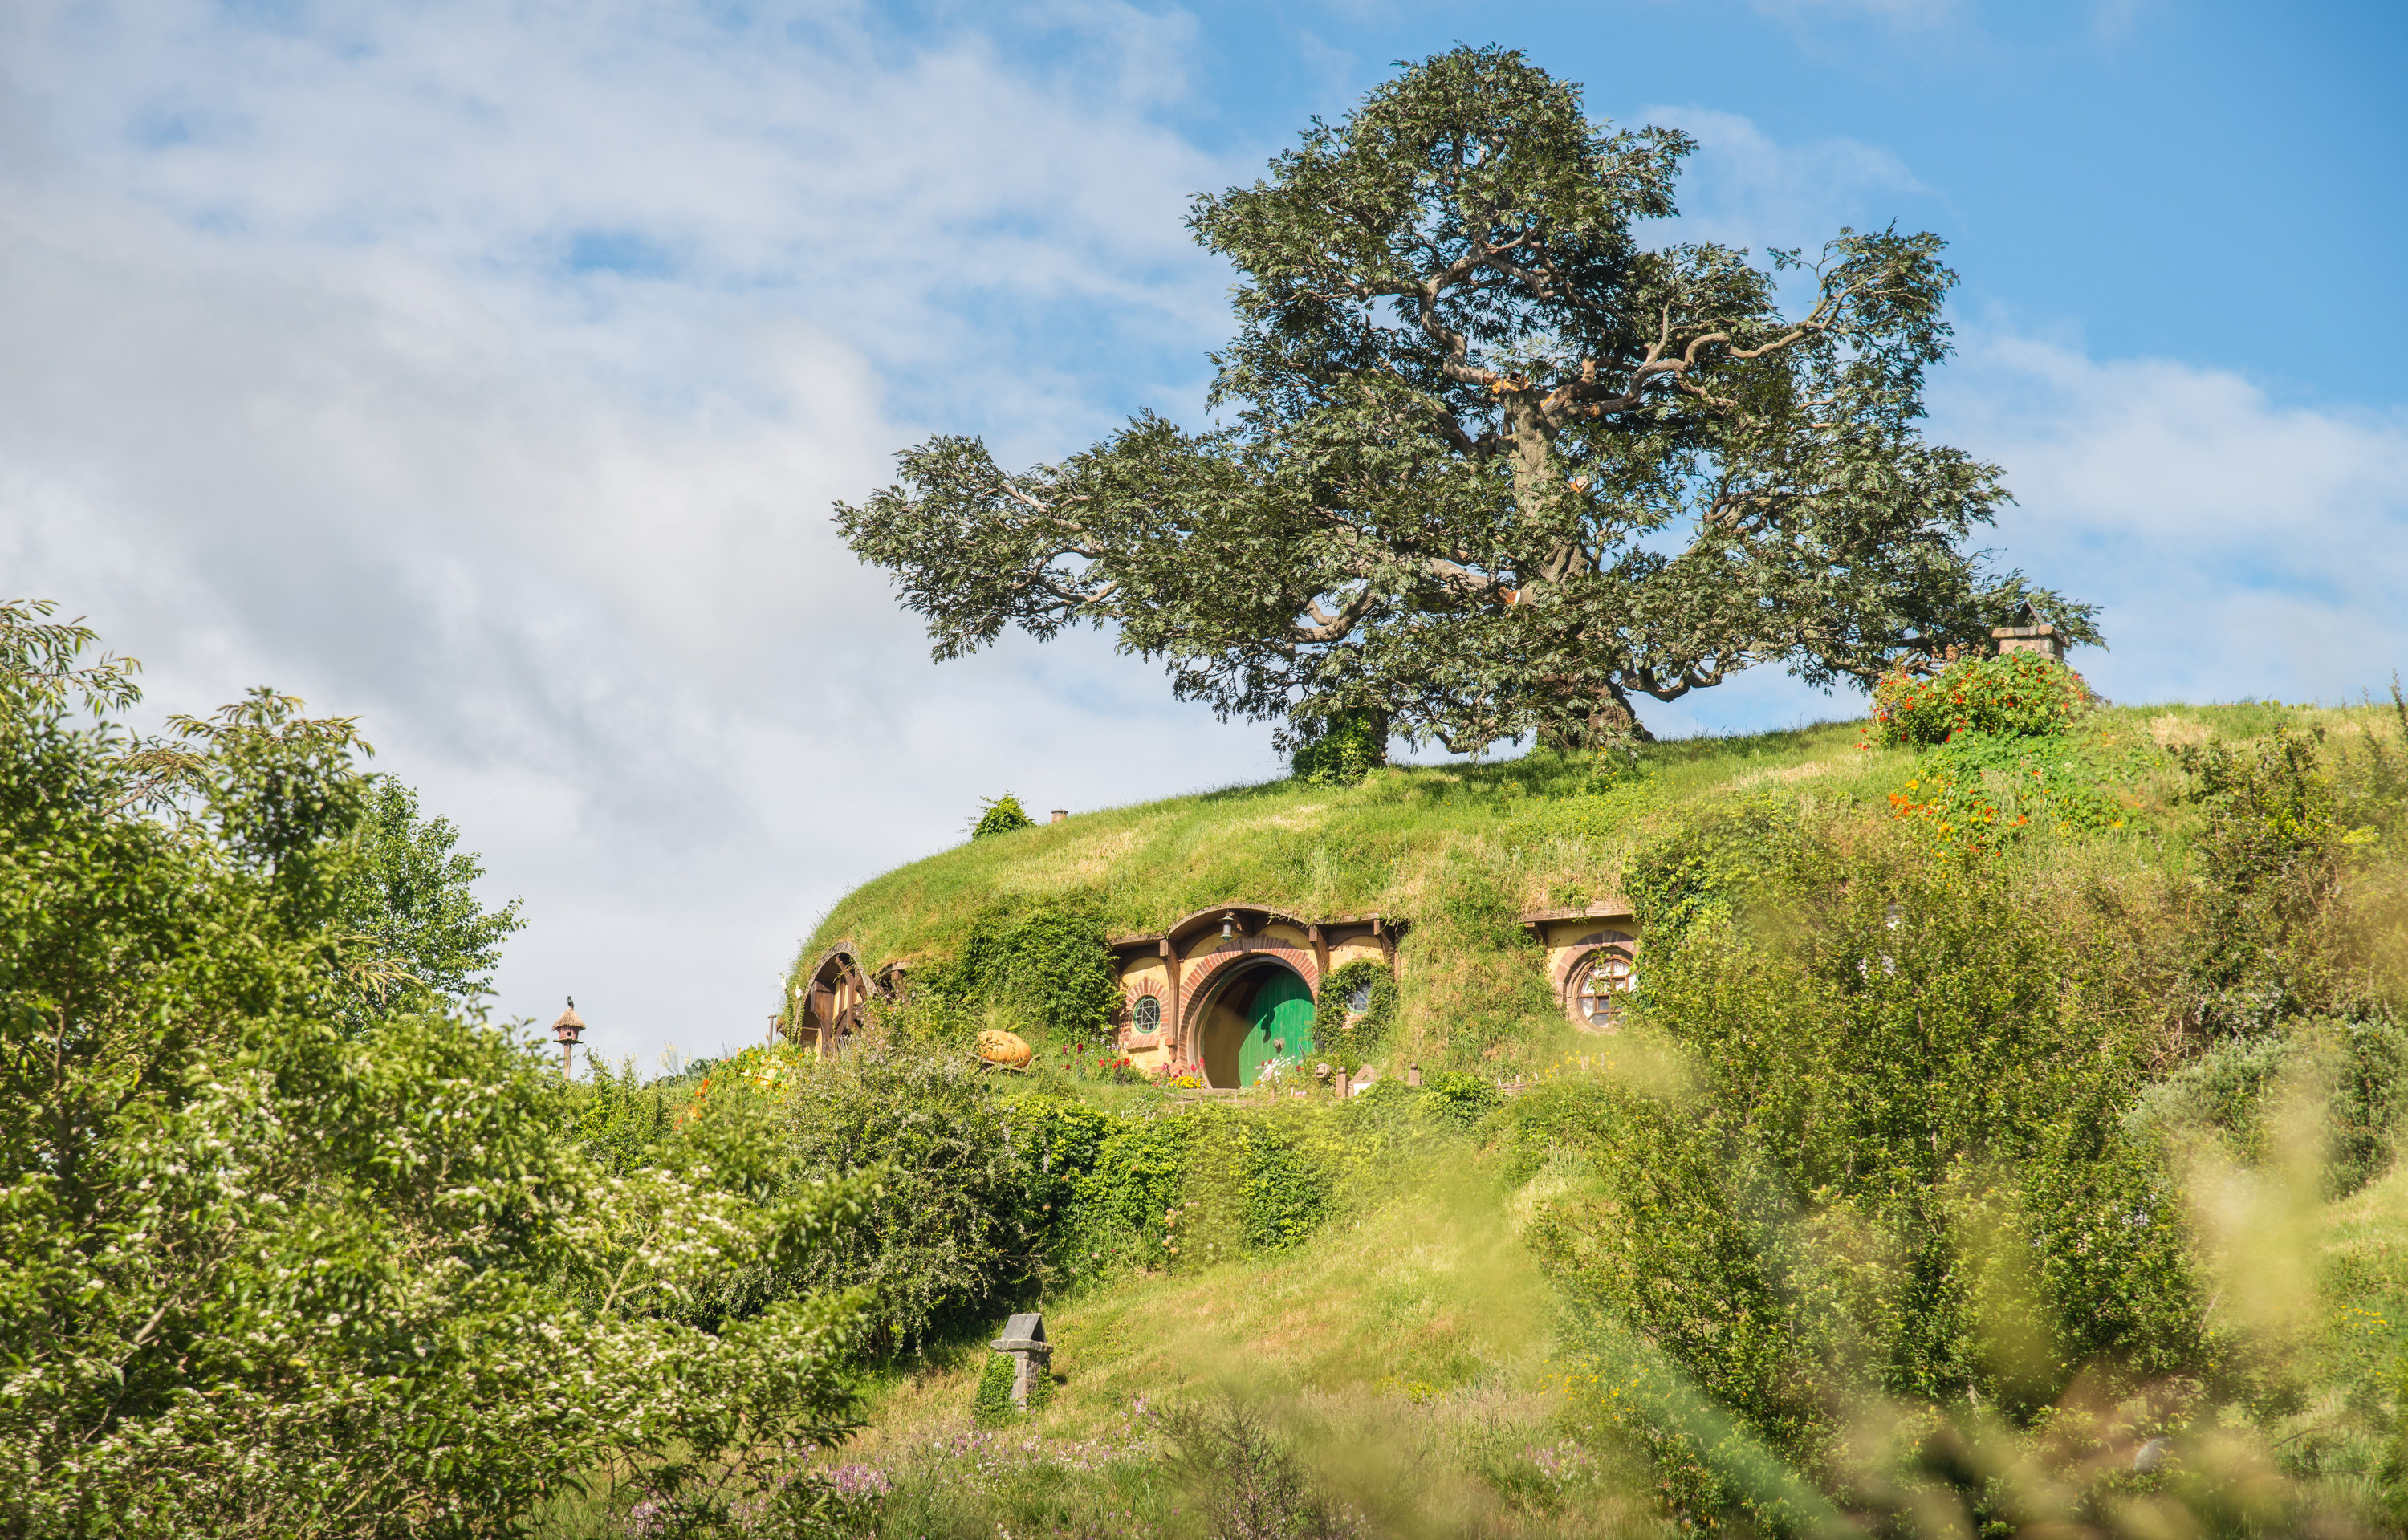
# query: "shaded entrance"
x,y
1259,1015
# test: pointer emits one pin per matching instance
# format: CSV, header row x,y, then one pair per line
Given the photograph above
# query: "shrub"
x,y
1286,1194
1719,860
1045,965
1976,793
266,1277
2009,694
1459,1098
958,1230
1249,1484
1352,745
1000,816
2364,1065
619,1122
1898,1144
1349,1036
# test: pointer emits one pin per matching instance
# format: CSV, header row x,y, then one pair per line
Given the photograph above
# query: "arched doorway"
x,y
1259,1014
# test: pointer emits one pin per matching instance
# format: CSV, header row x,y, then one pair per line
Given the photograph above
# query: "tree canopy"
x,y
268,1275
1486,462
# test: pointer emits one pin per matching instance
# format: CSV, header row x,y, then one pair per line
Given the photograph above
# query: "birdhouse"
x,y
569,1028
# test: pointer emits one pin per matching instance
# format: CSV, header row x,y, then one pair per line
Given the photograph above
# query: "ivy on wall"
x,y
1347,1036
1043,968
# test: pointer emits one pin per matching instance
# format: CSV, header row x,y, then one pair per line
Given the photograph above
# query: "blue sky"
x,y
486,370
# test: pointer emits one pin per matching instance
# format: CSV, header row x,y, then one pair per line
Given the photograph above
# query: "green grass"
x,y
1459,850
1387,844
1405,1351
1410,1347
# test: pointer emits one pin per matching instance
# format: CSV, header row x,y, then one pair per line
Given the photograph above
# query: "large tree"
x,y
1490,464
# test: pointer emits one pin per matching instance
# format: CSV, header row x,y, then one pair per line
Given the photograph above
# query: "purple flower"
x,y
859,1480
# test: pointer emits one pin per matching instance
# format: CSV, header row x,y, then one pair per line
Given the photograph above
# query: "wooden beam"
x,y
1178,1005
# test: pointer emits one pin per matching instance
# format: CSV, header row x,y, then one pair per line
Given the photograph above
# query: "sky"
x,y
487,371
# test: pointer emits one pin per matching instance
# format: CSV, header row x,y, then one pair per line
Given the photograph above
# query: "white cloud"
x,y
1744,188
2242,547
298,384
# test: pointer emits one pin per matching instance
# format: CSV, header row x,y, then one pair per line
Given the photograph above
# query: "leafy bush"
x,y
1044,966
959,1229
2303,892
1459,1098
1353,744
1000,816
1285,1193
1719,860
1976,793
2008,695
2363,1066
1898,1146
1351,1037
620,1123
268,1277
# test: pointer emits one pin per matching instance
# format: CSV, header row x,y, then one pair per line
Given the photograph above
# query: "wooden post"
x,y
1177,1025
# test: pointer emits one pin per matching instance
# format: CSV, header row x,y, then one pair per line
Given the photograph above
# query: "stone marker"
x,y
1024,1338
1413,1076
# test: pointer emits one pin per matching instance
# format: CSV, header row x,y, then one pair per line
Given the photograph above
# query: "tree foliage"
x,y
413,896
1000,816
268,1277
1492,463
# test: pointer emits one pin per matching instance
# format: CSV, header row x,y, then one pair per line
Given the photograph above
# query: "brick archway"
x,y
1204,973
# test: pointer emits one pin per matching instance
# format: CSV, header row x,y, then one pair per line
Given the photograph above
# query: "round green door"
x,y
1282,1012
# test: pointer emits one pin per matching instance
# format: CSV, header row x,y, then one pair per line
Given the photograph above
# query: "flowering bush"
x,y
2012,694
268,1278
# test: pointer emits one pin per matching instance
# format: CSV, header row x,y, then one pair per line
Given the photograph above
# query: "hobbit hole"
x,y
1257,1016
1592,956
1228,992
828,1008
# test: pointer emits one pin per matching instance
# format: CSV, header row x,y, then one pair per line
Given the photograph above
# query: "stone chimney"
x,y
2031,634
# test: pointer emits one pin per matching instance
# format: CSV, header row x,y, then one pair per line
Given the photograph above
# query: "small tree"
x,y
266,1276
413,895
1495,465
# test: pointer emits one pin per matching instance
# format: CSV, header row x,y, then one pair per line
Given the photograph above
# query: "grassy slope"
x,y
1456,849
1405,1349
1414,1336
1387,844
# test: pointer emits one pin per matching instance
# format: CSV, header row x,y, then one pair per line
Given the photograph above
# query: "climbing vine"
x,y
1344,1034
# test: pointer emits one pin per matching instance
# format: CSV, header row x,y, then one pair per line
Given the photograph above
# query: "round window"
x,y
1358,999
1606,977
1148,1014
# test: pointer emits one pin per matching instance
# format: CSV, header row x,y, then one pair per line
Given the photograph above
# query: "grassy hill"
x,y
2007,1131
1461,849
